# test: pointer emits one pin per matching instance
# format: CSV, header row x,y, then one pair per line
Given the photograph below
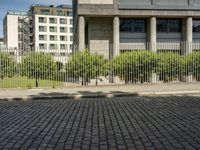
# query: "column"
x,y
189,36
116,36
153,42
81,33
152,34
187,45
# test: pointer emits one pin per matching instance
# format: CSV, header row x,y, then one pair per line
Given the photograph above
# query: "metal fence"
x,y
97,66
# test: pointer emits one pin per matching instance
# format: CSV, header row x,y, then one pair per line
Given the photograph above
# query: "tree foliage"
x,y
8,67
191,65
86,66
38,66
135,66
168,66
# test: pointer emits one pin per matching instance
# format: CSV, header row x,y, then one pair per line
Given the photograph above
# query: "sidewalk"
x,y
100,91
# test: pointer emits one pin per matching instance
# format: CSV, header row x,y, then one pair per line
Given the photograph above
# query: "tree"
x,y
134,66
191,65
8,67
38,66
168,66
86,66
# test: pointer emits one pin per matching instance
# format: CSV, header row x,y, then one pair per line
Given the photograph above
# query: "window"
x,y
45,11
60,13
52,46
62,46
42,46
71,21
52,38
31,30
42,20
71,38
20,37
196,26
70,46
62,54
63,29
63,38
52,20
62,21
71,30
41,37
69,13
42,28
52,29
31,39
52,54
169,25
133,25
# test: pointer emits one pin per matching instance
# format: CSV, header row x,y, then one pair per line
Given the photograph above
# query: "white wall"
x,y
48,33
12,31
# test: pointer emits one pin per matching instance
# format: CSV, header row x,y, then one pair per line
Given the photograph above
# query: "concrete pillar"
x,y
116,35
187,45
152,43
189,36
152,34
81,33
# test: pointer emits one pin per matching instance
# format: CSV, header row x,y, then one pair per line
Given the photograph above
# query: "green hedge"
x,y
132,66
138,66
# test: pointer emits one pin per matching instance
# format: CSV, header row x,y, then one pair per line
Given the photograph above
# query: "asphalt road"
x,y
167,122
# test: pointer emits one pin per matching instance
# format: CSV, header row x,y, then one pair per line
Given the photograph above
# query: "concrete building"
x,y
51,28
125,24
42,28
15,30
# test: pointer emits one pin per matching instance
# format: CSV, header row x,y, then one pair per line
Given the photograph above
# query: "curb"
x,y
108,95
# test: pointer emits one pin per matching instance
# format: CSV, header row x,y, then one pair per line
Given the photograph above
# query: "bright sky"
x,y
24,5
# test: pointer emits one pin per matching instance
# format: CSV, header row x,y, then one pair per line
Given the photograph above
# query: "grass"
x,y
24,82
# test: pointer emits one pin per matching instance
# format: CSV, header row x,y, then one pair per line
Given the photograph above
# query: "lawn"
x,y
23,82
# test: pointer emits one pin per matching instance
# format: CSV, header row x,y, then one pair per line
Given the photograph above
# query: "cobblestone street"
x,y
111,123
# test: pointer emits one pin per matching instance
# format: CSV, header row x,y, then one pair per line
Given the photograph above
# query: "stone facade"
x,y
102,21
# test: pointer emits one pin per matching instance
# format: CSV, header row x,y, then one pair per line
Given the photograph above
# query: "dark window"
x,y
196,26
60,13
133,25
169,25
45,11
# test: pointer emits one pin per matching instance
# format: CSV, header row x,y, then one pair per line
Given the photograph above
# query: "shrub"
x,y
191,65
135,66
38,66
8,67
168,66
86,66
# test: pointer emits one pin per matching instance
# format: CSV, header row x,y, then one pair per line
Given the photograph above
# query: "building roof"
x,y
17,12
53,6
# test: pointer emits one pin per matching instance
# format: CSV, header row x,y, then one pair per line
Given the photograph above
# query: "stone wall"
x,y
95,1
100,35
160,4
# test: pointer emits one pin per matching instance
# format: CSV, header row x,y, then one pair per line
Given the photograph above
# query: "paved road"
x,y
118,123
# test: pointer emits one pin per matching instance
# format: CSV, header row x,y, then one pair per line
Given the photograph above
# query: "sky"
x,y
24,5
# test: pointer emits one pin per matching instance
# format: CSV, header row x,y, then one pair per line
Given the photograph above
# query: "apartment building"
x,y
16,30
125,24
42,28
51,28
1,41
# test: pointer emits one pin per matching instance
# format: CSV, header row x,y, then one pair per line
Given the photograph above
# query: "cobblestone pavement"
x,y
116,123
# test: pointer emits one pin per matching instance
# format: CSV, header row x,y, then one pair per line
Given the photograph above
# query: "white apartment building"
x,y
43,28
14,30
51,29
